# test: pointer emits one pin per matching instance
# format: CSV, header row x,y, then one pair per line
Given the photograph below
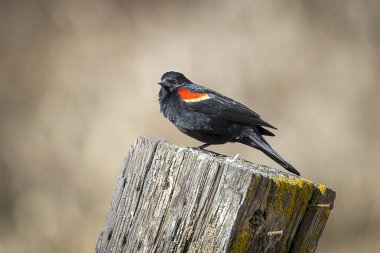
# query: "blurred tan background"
x,y
78,86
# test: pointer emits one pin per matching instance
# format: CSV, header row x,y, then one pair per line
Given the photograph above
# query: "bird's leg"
x,y
202,146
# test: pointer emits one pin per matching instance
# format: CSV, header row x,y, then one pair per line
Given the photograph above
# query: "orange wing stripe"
x,y
188,96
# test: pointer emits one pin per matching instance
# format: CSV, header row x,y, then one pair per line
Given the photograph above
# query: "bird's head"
x,y
171,81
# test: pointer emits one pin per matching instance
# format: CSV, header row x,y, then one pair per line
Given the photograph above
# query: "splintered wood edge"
x,y
314,220
307,236
240,163
304,239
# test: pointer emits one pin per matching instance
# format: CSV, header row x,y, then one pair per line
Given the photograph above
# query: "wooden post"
x,y
174,199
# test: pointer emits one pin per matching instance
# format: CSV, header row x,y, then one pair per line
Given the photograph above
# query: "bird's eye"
x,y
171,81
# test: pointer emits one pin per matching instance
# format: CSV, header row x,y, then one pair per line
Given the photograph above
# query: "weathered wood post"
x,y
174,199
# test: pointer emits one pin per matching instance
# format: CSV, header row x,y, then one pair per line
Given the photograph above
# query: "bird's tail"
x,y
258,142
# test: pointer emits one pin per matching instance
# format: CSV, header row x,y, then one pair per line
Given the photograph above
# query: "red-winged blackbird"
x,y
212,118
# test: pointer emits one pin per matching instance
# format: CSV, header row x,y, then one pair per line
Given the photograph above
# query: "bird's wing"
x,y
214,104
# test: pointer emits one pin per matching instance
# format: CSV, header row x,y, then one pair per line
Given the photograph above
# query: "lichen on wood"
x,y
174,199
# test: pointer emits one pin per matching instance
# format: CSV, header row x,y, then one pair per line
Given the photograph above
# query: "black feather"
x,y
214,119
264,131
225,108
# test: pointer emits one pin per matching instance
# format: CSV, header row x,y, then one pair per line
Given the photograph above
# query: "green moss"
x,y
322,188
287,196
241,242
287,189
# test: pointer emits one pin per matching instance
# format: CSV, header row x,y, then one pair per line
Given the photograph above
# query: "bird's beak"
x,y
164,84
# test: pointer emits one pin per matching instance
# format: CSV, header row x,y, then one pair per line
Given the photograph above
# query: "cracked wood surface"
x,y
174,199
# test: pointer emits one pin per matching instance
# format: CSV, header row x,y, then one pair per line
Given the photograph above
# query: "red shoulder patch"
x,y
188,96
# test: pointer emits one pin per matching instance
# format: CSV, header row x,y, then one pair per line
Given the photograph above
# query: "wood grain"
x,y
174,199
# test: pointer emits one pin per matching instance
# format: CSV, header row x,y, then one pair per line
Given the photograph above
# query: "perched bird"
x,y
212,118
